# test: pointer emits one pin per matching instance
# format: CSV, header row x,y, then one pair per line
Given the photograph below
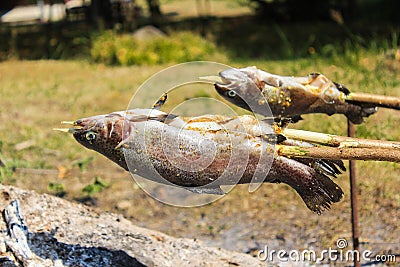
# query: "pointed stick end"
x,y
68,122
212,78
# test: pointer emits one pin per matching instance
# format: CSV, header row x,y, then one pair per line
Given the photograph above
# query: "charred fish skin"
x,y
166,146
289,97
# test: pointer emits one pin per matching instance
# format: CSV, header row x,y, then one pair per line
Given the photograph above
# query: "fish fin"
x,y
274,138
170,118
206,190
329,167
163,117
342,88
284,121
319,194
339,164
122,143
280,138
324,166
357,111
161,101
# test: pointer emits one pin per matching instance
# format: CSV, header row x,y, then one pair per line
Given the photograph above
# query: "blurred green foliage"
x,y
97,186
57,188
82,163
123,49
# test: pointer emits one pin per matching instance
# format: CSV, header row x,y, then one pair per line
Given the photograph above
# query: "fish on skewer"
x,y
203,153
288,97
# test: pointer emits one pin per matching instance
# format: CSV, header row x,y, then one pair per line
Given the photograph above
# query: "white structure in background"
x,y
71,4
41,12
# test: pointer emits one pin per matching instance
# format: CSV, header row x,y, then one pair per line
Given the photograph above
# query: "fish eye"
x,y
90,136
231,93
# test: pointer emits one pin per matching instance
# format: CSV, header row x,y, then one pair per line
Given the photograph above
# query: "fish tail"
x,y
316,189
320,193
359,111
355,111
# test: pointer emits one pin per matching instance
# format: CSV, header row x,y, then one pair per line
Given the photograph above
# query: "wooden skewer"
x,y
337,140
340,153
337,147
379,100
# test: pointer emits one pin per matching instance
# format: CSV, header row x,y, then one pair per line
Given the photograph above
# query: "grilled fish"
x,y
202,153
287,97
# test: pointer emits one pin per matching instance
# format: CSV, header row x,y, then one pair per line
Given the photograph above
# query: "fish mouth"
x,y
227,80
221,84
225,85
77,126
220,80
80,124
221,88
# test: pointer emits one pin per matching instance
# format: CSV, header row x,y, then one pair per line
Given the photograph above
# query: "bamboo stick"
x,y
337,140
379,100
340,153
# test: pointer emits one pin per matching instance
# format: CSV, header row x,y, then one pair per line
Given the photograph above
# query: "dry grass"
x,y
37,95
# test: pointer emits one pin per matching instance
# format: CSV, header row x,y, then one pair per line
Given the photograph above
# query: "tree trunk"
x,y
154,8
100,13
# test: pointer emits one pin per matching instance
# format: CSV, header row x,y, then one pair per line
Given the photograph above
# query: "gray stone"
x,y
147,33
62,233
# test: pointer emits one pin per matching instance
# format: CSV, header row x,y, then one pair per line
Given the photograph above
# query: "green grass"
x,y
37,95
